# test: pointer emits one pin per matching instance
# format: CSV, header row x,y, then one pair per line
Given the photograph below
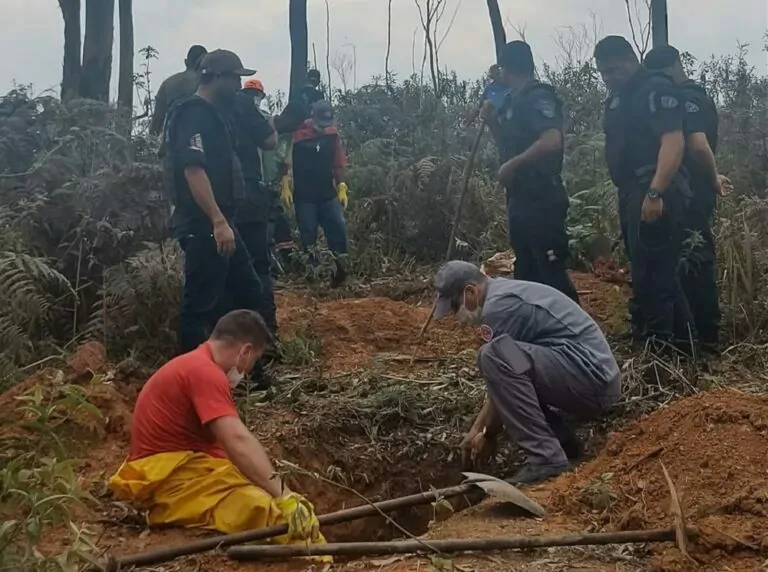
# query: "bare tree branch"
x,y
520,29
639,27
450,25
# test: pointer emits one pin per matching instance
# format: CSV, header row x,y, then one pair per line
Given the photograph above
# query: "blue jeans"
x,y
329,216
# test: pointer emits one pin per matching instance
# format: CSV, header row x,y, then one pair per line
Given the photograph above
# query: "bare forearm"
x,y
488,417
703,155
548,144
248,455
200,188
668,162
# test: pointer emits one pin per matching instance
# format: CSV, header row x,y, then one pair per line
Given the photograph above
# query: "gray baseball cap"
x,y
450,282
322,114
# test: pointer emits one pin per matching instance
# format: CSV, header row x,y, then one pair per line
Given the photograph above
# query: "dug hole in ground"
x,y
355,414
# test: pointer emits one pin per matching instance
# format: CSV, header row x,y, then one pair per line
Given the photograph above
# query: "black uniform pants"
x,y
210,280
281,227
257,241
698,272
654,252
539,238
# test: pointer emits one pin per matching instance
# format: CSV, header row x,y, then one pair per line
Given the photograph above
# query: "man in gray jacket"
x,y
542,353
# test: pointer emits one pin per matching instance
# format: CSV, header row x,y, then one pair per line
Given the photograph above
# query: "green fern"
x,y
139,301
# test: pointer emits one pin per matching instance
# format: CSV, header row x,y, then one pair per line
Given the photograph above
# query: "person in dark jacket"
x,y
644,149
319,188
205,182
529,129
698,272
253,133
177,87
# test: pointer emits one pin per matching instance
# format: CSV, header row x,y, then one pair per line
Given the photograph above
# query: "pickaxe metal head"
x,y
505,491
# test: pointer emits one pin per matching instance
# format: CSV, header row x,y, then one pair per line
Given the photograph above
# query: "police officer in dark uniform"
x,y
644,146
204,178
529,129
254,132
698,273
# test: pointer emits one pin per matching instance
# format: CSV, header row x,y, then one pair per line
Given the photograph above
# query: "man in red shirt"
x,y
192,461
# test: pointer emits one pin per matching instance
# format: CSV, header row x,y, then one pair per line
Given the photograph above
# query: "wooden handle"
x,y
170,553
249,553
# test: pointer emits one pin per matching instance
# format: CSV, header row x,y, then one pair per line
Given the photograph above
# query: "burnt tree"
x,y
70,79
297,27
125,80
97,49
499,35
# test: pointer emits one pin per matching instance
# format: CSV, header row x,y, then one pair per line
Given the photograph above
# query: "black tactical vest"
x,y
226,177
518,136
631,147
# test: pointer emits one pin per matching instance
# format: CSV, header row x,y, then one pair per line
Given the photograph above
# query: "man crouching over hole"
x,y
542,352
193,462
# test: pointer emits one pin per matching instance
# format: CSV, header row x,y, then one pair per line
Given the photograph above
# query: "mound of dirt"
x,y
353,331
715,447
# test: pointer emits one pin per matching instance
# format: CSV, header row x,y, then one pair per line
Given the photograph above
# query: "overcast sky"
x,y
32,33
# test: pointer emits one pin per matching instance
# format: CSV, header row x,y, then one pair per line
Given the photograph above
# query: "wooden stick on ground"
x,y
456,219
247,553
681,536
215,542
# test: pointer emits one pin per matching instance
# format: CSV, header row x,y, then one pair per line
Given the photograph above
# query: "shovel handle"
x,y
161,555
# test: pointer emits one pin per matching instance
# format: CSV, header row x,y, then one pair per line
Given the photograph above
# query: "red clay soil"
x,y
715,447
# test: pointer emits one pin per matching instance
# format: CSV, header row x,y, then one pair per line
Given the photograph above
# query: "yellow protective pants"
x,y
196,491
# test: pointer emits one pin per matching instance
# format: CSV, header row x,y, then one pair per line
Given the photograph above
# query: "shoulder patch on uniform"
x,y
196,143
669,102
486,333
615,102
546,107
691,107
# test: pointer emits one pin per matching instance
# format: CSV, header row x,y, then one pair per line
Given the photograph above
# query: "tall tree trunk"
x,y
97,49
297,27
70,79
125,81
499,35
659,27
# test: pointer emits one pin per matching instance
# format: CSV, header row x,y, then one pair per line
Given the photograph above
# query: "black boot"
x,y
535,474
569,441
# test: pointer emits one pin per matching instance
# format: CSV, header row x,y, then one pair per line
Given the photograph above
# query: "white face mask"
x,y
465,316
234,375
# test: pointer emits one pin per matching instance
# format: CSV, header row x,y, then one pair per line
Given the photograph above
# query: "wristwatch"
x,y
653,194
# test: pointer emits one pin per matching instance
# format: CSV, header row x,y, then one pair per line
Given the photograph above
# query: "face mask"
x,y
257,100
234,375
465,316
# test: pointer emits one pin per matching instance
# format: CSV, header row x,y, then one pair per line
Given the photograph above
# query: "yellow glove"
x,y
286,194
341,192
299,514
